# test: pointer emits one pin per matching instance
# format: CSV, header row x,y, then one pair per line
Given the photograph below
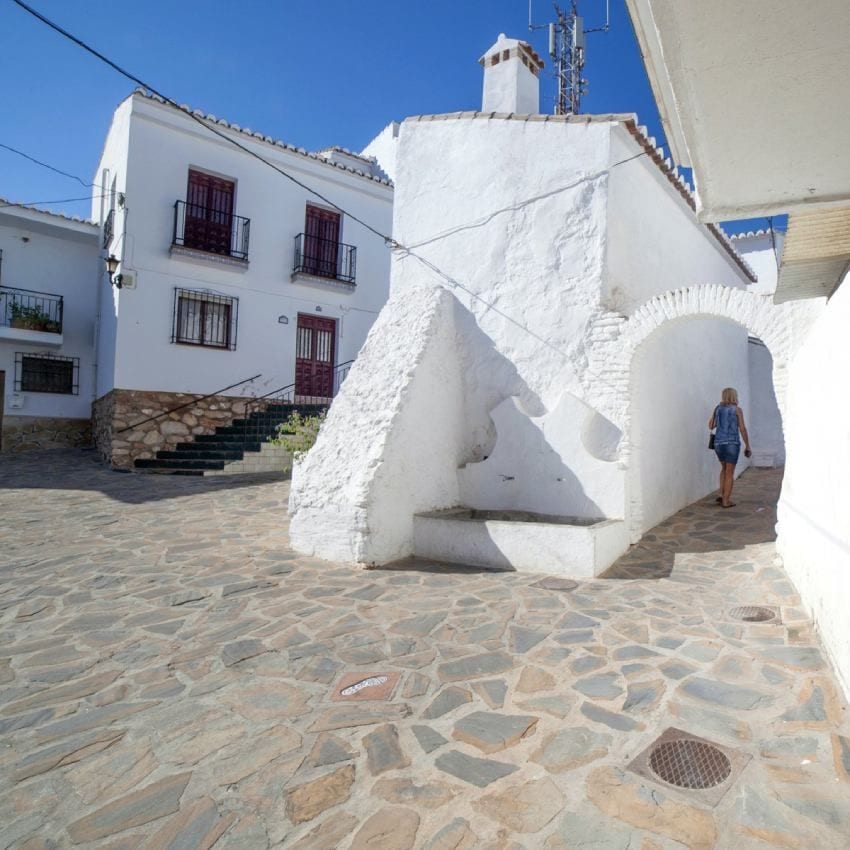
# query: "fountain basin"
x,y
573,547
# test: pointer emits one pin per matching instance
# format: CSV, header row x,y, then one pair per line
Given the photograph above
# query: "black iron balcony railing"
x,y
211,230
325,258
108,228
27,309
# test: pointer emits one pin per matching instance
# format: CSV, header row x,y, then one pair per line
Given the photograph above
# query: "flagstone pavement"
x,y
173,675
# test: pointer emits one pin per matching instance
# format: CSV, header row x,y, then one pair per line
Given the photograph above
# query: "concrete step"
x,y
155,463
193,452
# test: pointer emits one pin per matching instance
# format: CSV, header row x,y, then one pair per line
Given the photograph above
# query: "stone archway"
x,y
614,342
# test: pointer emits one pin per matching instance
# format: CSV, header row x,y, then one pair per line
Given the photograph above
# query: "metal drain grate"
x,y
680,761
686,763
753,613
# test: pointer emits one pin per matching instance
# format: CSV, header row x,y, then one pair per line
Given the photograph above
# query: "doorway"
x,y
315,349
2,404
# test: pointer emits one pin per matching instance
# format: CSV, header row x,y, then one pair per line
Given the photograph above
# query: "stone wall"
x,y
121,435
28,433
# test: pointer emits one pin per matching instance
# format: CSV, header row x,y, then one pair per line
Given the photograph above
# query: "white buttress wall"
x,y
814,508
678,375
393,439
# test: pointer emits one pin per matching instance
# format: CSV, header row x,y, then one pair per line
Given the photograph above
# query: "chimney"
x,y
511,82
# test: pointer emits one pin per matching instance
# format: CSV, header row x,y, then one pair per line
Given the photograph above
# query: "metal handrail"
x,y
218,232
285,393
328,258
188,403
45,308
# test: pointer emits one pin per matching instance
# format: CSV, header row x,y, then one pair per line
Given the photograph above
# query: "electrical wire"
x,y
173,103
388,240
50,167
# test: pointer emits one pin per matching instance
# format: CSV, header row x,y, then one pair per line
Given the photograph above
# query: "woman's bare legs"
x,y
727,479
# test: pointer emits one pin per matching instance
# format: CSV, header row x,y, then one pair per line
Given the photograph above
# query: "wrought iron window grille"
x,y
108,228
47,373
204,319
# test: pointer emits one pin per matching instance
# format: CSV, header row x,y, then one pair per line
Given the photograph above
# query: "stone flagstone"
x,y
383,750
480,772
491,732
139,807
309,800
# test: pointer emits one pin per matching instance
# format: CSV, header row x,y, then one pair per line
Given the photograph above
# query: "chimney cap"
x,y
517,48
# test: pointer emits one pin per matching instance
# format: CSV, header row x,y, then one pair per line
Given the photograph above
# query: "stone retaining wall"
x,y
29,433
126,409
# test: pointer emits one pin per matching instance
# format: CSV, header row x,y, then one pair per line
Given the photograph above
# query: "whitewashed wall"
x,y
677,379
513,217
145,358
814,508
50,254
654,243
765,419
384,148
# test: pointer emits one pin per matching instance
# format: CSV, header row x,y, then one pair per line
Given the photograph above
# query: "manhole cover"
x,y
753,613
686,763
702,769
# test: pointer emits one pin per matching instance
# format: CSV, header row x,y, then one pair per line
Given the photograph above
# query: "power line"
x,y
387,239
50,167
173,103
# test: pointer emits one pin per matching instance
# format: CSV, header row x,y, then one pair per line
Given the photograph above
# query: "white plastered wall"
x,y
814,508
678,374
765,420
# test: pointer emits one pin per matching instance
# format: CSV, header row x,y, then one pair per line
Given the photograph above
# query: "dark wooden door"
x,y
315,344
321,241
209,213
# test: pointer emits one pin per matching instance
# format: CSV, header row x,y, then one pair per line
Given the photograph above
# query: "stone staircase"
x,y
242,447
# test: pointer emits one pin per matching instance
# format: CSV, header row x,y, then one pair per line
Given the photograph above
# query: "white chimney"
x,y
511,77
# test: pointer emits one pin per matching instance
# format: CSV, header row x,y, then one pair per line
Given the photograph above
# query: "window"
x,y
204,319
209,213
47,373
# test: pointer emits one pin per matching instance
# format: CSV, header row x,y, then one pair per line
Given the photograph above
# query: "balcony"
x,y
27,315
325,259
208,233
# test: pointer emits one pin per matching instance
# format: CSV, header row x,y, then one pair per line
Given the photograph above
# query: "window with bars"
x,y
47,373
201,318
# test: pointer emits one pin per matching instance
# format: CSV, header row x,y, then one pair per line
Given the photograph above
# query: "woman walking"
x,y
728,418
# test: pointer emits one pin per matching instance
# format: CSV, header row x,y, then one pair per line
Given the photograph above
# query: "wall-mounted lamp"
x,y
318,309
112,263
283,320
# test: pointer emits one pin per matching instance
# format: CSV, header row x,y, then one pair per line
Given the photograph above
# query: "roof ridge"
x,y
245,131
14,205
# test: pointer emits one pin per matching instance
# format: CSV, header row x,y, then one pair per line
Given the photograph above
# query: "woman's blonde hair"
x,y
729,396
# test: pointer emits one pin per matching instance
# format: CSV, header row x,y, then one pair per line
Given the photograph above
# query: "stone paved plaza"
x,y
174,676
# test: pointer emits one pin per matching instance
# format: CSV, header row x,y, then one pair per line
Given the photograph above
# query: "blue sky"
x,y
313,74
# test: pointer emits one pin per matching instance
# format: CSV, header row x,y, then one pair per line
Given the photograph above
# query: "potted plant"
x,y
29,318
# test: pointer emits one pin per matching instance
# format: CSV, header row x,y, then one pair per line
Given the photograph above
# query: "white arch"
x,y
614,342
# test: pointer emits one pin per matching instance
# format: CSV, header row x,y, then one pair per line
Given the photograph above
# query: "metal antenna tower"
x,y
567,47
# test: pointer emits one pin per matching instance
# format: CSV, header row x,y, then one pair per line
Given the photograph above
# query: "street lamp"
x,y
112,263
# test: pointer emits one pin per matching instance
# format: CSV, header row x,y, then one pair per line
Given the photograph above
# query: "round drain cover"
x,y
753,614
689,764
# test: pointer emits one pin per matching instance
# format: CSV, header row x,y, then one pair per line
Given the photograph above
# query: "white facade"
x,y
517,236
45,258
148,154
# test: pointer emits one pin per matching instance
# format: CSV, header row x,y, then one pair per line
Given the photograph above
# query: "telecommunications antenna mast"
x,y
566,46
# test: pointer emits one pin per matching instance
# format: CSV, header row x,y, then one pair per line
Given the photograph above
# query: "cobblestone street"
x,y
173,675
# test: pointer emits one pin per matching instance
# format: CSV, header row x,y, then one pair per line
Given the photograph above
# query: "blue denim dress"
x,y
727,439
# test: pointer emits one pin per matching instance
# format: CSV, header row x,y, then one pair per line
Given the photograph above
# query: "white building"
x,y
757,104
541,262
228,270
49,266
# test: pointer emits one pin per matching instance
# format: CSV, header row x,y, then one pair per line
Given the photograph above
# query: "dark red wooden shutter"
x,y
321,243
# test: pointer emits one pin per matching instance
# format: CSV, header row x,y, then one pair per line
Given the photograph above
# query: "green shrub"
x,y
298,434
